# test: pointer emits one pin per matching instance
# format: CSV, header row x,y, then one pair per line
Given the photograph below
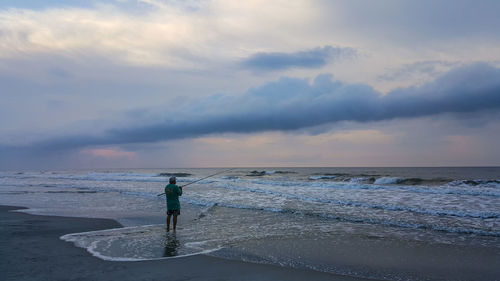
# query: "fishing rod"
x,y
202,179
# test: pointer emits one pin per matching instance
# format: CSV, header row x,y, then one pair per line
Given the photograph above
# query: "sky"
x,y
199,83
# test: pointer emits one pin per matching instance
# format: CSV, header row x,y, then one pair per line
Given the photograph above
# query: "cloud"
x,y
291,104
130,35
170,34
417,22
40,5
313,58
418,69
280,149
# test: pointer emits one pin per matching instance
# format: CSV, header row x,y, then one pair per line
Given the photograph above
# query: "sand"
x,y
31,250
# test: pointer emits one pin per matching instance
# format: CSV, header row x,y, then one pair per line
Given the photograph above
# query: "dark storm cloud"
x,y
291,104
313,58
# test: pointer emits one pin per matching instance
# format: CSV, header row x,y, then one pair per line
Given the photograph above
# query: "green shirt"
x,y
173,192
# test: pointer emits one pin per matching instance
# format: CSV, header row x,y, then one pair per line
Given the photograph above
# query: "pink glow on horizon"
x,y
109,153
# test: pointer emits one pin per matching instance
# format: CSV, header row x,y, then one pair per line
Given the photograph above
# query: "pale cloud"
x,y
463,144
251,141
335,148
351,136
419,71
106,33
286,149
217,35
272,149
170,35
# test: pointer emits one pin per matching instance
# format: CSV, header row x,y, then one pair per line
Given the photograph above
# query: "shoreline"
x,y
285,219
32,250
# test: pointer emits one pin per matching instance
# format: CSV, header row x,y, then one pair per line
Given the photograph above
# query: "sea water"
x,y
286,216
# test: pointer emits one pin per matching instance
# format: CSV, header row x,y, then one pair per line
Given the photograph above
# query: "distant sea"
x,y
224,215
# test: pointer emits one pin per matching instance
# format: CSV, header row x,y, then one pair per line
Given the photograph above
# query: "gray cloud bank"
x,y
290,104
313,58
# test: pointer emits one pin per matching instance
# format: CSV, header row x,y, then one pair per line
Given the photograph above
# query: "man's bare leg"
x,y
168,222
175,222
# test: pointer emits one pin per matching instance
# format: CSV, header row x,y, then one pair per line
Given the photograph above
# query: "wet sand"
x,y
386,258
31,250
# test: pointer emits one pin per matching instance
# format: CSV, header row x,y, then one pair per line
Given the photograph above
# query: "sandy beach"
x,y
295,224
31,250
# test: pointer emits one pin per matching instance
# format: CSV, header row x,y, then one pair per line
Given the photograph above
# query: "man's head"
x,y
172,180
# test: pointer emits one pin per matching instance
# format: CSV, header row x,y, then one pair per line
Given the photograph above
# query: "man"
x,y
173,206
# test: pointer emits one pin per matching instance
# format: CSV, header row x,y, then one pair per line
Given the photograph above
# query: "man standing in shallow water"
x,y
173,192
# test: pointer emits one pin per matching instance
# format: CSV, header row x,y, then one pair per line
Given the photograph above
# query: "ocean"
x,y
296,217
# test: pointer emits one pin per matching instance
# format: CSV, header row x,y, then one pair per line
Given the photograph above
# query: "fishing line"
x,y
202,179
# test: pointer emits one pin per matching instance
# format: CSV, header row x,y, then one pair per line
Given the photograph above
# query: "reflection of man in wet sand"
x,y
171,245
173,205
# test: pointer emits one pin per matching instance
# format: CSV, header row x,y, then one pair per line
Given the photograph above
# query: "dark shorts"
x,y
174,212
